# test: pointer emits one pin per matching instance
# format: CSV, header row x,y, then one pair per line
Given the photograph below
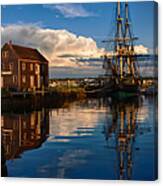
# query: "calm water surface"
x,y
94,139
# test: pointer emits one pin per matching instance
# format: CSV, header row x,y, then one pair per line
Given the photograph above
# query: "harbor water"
x,y
88,139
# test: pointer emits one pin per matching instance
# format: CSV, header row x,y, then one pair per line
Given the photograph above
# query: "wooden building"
x,y
23,69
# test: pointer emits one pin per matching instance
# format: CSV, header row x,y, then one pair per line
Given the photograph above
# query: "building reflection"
x,y
22,132
74,131
120,132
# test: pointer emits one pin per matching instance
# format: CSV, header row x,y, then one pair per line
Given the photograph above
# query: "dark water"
x,y
94,139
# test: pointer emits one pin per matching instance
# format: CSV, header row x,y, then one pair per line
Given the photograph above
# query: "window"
x,y
5,54
1,81
14,79
37,70
38,81
23,66
10,66
31,66
25,136
24,124
31,81
23,79
32,120
2,121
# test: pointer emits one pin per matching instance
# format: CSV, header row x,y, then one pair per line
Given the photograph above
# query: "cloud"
x,y
70,10
66,52
140,49
55,44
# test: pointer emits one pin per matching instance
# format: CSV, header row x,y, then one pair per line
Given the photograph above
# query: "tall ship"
x,y
121,62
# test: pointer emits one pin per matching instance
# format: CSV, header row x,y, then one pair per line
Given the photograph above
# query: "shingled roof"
x,y
28,53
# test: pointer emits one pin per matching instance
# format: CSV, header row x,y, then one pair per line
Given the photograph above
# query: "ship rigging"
x,y
122,62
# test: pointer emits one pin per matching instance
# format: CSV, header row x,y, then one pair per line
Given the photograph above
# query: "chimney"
x,y
10,42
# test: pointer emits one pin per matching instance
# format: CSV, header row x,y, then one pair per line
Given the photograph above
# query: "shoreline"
x,y
22,102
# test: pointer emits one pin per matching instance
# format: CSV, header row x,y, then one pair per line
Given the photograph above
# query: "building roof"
x,y
27,53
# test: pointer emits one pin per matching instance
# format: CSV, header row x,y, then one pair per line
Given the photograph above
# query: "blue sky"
x,y
73,30
96,24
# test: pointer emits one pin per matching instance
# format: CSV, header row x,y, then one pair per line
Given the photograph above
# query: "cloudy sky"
x,y
70,35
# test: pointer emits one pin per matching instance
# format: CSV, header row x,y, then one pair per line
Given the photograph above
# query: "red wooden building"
x,y
23,68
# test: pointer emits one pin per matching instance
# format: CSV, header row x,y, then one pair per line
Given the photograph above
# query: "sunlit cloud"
x,y
65,50
140,49
53,44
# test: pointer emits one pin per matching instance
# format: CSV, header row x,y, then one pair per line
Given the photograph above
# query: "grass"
x,y
69,91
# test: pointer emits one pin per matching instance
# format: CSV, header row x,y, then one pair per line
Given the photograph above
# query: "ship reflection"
x,y
70,134
22,132
121,132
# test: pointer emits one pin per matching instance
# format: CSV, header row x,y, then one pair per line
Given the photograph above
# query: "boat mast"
x,y
127,39
122,61
129,46
119,42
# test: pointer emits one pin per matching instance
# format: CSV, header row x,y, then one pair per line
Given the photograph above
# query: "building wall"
x,y
9,65
29,75
18,74
44,74
33,75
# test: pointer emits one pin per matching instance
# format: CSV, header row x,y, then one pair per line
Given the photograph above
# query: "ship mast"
x,y
123,57
129,47
127,37
119,43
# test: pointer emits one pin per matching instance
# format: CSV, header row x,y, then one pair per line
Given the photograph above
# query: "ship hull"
x,y
124,89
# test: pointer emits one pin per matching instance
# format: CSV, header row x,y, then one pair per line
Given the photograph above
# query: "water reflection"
x,y
127,122
22,132
93,138
123,130
4,172
78,120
